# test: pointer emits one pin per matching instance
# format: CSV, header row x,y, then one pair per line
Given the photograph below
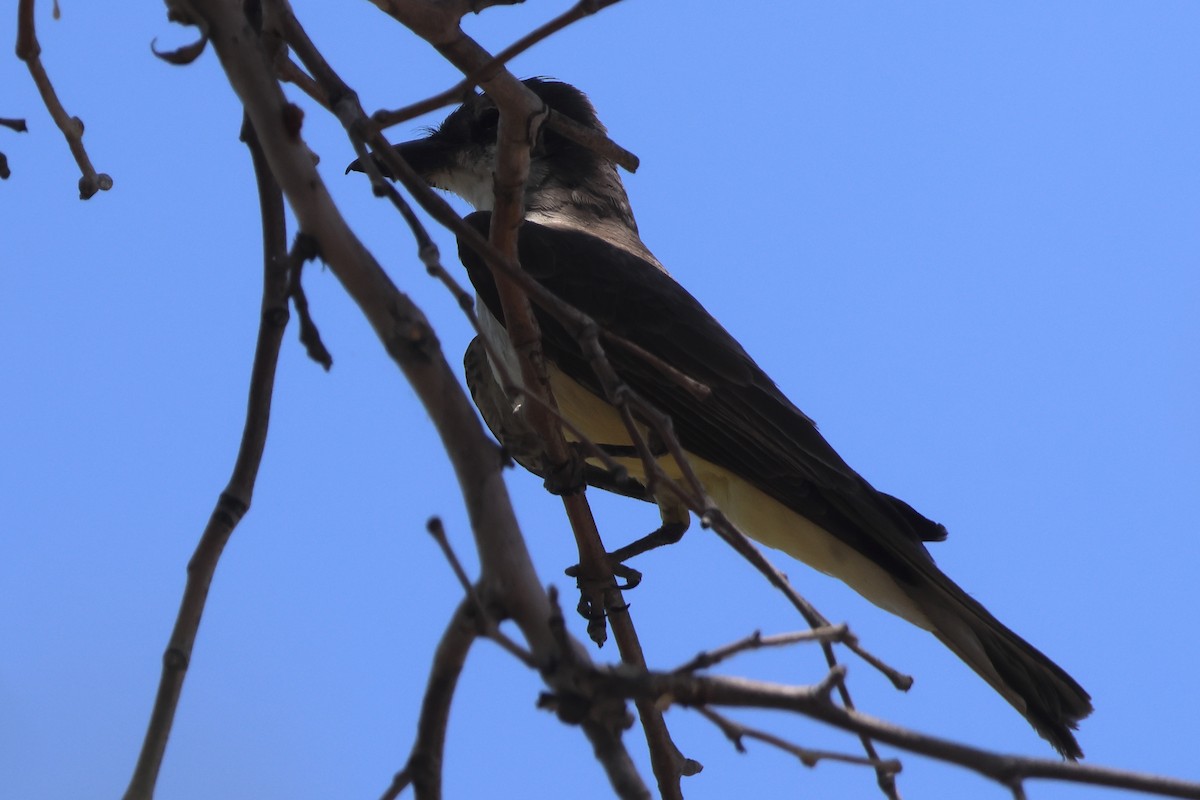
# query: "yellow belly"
x,y
758,515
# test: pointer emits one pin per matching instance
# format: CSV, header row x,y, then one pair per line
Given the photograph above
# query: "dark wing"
x,y
746,425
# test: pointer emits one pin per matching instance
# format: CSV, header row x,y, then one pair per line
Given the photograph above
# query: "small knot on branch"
x,y
175,659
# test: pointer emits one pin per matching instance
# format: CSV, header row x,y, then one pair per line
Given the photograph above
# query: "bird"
x,y
761,459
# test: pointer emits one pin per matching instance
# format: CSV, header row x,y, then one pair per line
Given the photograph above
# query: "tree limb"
x,y
813,701
30,51
234,501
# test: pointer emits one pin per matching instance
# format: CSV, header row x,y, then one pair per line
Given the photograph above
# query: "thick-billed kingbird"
x,y
759,457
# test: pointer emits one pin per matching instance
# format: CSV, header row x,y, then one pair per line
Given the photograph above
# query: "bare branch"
x,y
593,139
1009,771
423,770
600,718
736,731
305,249
756,641
17,125
234,501
30,51
486,623
402,328
289,71
736,539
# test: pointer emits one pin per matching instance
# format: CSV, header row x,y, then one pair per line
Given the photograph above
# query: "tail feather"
x,y
1043,692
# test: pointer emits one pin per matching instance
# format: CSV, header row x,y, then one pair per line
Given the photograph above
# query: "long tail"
x,y
1037,687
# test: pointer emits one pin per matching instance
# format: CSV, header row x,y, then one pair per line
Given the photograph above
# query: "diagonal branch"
x,y
736,732
29,50
756,641
234,501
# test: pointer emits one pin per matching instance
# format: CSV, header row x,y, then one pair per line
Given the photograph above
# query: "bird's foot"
x,y
598,598
668,533
621,572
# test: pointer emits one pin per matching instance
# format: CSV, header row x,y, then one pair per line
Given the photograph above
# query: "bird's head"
x,y
568,183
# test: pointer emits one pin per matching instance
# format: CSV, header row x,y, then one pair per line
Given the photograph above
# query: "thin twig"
x,y
291,72
742,545
423,769
604,719
736,731
30,51
756,641
305,249
17,125
486,622
234,501
697,389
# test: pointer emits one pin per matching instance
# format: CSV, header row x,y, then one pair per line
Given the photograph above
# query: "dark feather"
x,y
748,427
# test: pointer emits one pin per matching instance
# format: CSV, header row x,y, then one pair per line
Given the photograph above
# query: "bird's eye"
x,y
488,121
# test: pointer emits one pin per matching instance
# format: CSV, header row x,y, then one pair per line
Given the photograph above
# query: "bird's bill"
x,y
425,156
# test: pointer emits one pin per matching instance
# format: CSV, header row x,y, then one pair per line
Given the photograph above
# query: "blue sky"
x,y
962,237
